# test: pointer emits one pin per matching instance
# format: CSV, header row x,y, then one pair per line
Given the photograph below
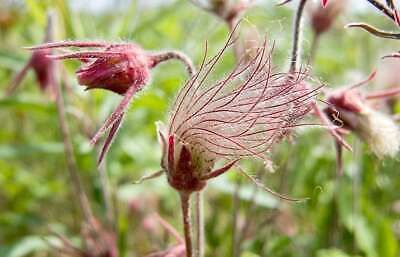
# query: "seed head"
x,y
351,109
240,116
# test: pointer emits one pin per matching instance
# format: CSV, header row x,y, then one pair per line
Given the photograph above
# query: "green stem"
x,y
199,221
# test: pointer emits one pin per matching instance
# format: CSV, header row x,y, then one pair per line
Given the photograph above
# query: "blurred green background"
x,y
357,214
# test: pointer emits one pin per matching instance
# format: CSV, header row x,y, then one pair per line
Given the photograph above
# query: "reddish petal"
x,y
113,131
171,152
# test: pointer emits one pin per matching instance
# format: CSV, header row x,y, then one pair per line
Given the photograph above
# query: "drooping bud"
x,y
42,66
122,68
227,10
130,67
351,110
322,17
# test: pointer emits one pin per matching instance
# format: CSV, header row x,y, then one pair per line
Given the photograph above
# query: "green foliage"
x,y
348,216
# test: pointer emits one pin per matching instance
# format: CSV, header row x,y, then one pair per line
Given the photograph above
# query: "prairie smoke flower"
x,y
122,68
98,241
352,110
241,116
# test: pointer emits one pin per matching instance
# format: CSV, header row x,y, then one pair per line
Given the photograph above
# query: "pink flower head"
x,y
122,68
97,239
114,67
130,66
240,116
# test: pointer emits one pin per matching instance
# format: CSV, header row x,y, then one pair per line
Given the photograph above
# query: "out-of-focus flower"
x,y
122,68
389,77
98,241
321,17
323,2
352,110
41,65
241,116
228,10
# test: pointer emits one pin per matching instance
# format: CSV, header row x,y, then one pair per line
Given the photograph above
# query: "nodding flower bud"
x,y
41,65
122,68
114,67
352,110
322,17
240,116
227,10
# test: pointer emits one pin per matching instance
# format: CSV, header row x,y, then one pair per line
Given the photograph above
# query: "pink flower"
x,y
41,65
352,111
122,68
240,116
131,66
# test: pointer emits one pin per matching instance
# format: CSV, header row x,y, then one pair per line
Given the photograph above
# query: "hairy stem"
x,y
165,56
199,220
297,36
68,148
187,226
106,191
69,155
17,79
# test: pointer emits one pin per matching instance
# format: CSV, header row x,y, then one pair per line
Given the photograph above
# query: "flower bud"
x,y
42,66
352,111
322,17
129,65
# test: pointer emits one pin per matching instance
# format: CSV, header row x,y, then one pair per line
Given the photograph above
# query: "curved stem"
x,y
297,36
17,79
187,226
199,221
165,56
